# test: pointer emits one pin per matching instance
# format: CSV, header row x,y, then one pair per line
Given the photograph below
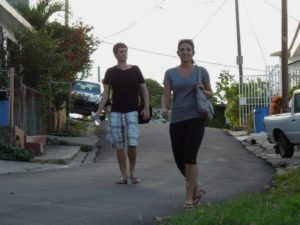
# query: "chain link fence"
x,y
20,106
27,109
5,131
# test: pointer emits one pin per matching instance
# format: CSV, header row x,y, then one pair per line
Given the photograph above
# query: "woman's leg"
x,y
191,171
193,137
177,142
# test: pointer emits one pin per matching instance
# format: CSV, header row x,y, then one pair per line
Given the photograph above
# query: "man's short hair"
x,y
119,45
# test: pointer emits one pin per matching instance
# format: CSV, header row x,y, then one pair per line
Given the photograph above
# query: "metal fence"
x,y
5,134
257,91
27,109
23,108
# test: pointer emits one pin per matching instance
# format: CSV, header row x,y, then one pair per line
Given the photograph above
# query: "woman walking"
x,y
187,124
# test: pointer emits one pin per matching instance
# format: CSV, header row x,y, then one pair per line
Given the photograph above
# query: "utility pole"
x,y
284,56
99,74
66,13
239,58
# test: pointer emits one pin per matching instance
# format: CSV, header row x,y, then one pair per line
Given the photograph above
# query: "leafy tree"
x,y
39,58
226,80
53,52
77,44
155,92
293,89
228,92
39,14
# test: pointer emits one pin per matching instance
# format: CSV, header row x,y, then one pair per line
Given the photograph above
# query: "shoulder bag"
x,y
204,105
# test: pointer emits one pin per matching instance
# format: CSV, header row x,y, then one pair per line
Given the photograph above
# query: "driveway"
x,y
87,194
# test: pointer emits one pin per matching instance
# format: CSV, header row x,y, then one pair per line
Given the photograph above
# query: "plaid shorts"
x,y
123,129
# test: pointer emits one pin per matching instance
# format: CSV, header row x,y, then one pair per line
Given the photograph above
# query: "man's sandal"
x,y
135,180
188,205
198,196
122,180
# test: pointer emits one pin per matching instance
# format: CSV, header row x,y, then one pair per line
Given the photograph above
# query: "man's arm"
x,y
103,100
145,95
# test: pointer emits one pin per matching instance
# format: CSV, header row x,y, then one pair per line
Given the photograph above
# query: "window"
x,y
297,103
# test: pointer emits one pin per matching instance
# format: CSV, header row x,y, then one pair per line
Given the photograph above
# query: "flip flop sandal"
x,y
198,196
121,181
135,180
188,205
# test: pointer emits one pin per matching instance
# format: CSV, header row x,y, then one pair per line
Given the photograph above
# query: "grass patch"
x,y
12,153
280,205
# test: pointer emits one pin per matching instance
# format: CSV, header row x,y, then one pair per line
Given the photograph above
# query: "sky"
x,y
152,28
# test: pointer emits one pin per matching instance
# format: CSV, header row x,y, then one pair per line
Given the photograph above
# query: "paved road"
x,y
87,195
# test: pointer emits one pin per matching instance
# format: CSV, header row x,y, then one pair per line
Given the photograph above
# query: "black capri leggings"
x,y
186,137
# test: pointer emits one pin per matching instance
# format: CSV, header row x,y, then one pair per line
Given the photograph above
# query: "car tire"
x,y
284,146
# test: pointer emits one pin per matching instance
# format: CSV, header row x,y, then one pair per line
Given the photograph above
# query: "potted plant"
x,y
276,105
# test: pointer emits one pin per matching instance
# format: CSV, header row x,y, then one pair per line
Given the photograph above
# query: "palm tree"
x,y
39,14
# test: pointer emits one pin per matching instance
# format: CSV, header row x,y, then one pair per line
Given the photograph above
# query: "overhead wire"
x,y
254,34
210,19
174,57
197,34
131,25
278,9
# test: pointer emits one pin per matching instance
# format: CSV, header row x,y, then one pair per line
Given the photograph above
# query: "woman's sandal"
x,y
188,205
198,196
122,180
135,180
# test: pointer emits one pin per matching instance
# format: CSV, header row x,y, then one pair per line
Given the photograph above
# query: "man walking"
x,y
126,82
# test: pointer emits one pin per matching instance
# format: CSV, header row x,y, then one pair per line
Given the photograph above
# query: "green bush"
x,y
13,153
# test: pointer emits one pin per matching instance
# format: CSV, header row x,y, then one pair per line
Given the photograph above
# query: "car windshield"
x,y
86,87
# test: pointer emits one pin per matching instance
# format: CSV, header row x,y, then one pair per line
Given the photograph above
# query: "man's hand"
x,y
145,113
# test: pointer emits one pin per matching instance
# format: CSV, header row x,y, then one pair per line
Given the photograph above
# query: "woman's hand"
x,y
165,113
200,85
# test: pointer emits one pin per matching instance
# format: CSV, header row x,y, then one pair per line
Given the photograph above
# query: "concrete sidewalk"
x,y
88,194
258,144
63,156
57,156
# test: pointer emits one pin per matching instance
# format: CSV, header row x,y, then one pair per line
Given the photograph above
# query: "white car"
x,y
86,98
284,129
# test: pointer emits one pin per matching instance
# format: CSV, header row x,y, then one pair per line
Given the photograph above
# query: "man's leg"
x,y
121,155
132,141
132,160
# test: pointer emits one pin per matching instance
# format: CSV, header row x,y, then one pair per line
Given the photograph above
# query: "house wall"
x,y
8,32
294,66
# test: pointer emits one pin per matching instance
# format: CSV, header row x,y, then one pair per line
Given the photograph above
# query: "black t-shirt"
x,y
125,86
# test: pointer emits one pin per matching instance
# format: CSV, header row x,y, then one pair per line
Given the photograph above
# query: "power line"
x,y
174,57
205,25
210,19
156,7
278,9
254,34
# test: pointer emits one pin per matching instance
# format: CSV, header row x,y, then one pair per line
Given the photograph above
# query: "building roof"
x,y
11,18
294,49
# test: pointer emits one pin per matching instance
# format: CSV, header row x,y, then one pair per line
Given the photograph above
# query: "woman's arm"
x,y
165,101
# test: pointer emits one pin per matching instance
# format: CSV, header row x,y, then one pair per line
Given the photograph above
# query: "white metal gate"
x,y
257,91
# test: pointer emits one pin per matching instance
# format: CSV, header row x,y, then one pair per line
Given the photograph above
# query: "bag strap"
x,y
199,74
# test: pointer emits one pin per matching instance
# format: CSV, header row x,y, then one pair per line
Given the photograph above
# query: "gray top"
x,y
184,94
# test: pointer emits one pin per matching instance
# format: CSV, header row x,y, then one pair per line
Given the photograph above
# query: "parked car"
x,y
85,98
284,129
